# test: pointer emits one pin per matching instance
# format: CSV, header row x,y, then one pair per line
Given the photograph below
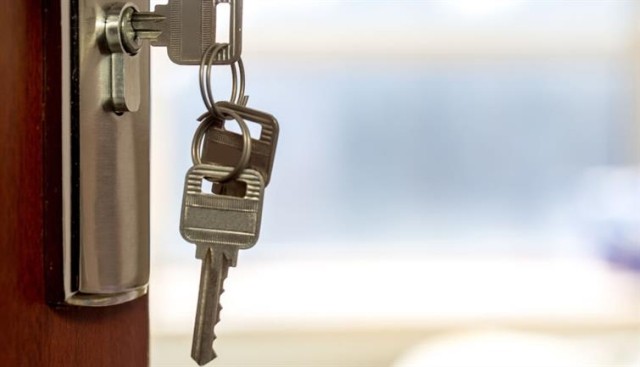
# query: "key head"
x,y
190,28
221,220
224,147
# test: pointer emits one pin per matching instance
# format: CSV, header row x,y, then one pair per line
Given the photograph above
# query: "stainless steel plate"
x,y
105,167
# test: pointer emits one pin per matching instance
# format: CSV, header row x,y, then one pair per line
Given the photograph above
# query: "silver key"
x,y
188,27
219,226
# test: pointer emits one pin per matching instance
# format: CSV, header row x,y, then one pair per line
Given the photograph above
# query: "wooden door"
x,y
33,333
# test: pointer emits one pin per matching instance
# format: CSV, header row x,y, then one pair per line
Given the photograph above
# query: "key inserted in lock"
x,y
104,191
185,27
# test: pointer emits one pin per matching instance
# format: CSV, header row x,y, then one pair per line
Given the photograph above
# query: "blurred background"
x,y
457,183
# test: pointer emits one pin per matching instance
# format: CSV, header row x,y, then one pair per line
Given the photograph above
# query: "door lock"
x,y
104,241
185,27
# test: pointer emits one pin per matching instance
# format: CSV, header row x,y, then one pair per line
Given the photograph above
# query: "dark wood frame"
x,y
32,333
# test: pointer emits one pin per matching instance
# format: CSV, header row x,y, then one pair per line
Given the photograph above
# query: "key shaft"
x,y
148,25
215,267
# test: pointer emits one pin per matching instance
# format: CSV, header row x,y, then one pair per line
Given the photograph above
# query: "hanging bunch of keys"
x,y
226,220
222,222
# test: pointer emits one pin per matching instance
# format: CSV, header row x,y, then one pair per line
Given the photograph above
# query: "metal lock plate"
x,y
105,167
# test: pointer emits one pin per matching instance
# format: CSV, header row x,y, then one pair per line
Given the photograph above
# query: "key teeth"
x,y
217,319
218,316
213,356
201,355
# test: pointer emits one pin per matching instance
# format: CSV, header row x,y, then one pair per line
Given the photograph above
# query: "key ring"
x,y
241,98
206,98
208,57
209,121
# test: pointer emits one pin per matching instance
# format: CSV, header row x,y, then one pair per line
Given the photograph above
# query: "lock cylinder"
x,y
119,32
124,44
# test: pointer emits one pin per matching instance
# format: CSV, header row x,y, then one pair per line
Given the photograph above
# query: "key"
x,y
188,27
219,226
224,147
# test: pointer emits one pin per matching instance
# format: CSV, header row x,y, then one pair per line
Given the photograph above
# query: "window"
x,y
440,163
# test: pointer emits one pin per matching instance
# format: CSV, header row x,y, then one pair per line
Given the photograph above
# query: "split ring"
x,y
237,86
208,121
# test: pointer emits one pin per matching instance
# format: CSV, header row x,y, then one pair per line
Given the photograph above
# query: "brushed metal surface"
x,y
114,168
106,174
